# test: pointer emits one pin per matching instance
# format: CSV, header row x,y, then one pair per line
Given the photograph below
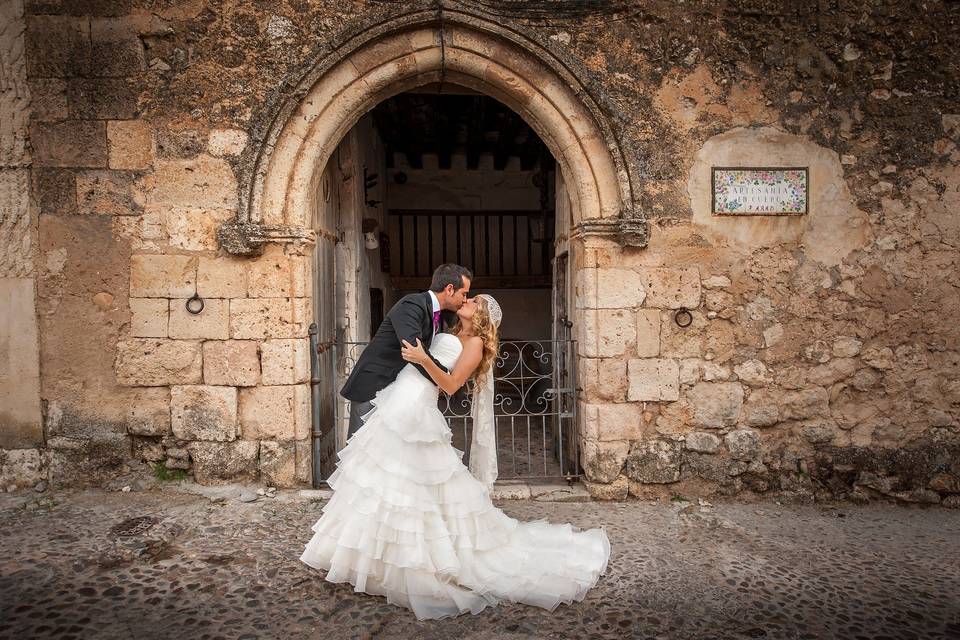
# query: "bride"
x,y
408,521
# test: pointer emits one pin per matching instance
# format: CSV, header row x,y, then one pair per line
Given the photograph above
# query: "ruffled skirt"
x,y
407,521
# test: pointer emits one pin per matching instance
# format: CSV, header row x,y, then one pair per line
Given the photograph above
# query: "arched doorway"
x,y
286,177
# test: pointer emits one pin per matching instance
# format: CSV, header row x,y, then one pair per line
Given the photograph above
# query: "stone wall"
x,y
21,424
822,358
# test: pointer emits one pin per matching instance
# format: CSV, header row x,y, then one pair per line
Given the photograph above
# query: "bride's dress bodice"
x,y
446,348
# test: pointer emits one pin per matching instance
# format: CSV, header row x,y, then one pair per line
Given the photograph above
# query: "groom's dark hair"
x,y
449,274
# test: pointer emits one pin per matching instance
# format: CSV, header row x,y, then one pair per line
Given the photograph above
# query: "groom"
x,y
416,315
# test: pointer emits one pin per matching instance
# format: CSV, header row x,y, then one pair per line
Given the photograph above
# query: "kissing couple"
x,y
407,519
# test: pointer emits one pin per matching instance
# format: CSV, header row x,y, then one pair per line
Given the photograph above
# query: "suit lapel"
x,y
428,327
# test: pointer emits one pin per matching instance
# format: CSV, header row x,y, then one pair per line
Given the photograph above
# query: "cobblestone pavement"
x,y
221,568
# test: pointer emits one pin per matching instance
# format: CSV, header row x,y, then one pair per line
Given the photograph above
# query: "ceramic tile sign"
x,y
758,191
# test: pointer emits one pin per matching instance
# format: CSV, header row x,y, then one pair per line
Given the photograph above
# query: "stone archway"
x,y
283,171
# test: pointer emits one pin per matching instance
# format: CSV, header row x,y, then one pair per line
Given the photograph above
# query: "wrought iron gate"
x,y
534,404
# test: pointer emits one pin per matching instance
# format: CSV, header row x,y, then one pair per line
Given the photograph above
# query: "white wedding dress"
x,y
408,521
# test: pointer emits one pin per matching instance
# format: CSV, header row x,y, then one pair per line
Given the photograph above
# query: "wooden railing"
x,y
502,248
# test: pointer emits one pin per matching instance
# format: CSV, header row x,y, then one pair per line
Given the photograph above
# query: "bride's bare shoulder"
x,y
472,343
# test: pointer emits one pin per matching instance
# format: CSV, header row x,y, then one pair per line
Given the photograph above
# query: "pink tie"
x,y
436,320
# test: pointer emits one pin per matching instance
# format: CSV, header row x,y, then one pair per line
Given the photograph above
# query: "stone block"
x,y
805,404
21,467
101,99
616,490
145,231
864,379
111,193
752,373
690,370
761,409
304,453
203,412
21,385
716,282
654,462
302,423
231,362
162,276
302,317
653,379
715,404
57,46
702,442
149,317
683,342
773,335
70,143
148,411
608,333
225,462
817,433
260,318
603,379
227,142
212,322
672,288
278,464
603,461
648,333
832,372
704,466
180,143
115,50
846,347
743,444
269,412
222,277
608,288
195,229
945,483
48,99
155,362
673,419
285,361
130,144
609,422
269,275
301,276
55,190
92,460
202,182
720,302
713,372
878,357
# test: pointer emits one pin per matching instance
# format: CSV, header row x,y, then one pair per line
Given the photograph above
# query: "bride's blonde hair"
x,y
482,326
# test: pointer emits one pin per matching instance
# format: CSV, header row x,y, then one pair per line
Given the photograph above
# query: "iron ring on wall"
x,y
683,317
192,303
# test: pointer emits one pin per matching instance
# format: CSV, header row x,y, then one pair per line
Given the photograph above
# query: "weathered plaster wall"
x,y
823,356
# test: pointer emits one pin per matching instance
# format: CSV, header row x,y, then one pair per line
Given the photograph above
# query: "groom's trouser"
x,y
357,409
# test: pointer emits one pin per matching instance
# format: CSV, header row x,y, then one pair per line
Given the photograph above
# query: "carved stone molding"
x,y
249,238
634,231
628,231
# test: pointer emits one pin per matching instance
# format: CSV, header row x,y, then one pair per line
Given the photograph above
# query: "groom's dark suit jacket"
x,y
380,362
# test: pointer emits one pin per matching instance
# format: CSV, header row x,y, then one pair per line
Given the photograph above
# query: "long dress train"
x,y
407,520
